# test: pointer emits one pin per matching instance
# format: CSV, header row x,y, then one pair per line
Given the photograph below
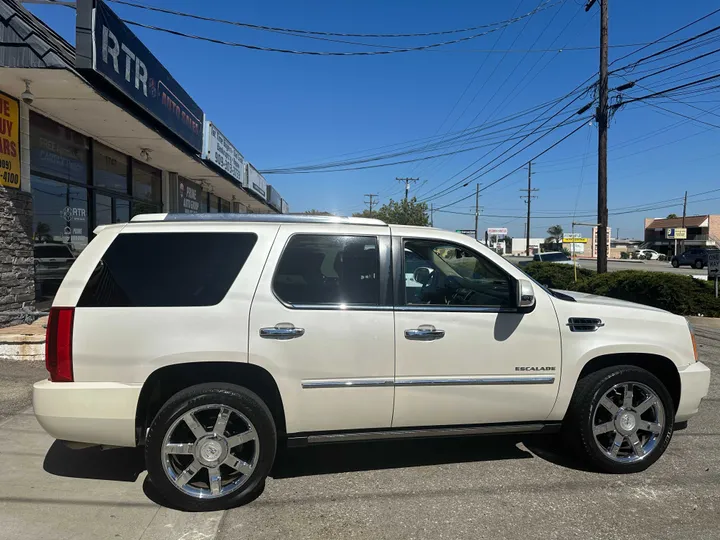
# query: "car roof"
x,y
256,218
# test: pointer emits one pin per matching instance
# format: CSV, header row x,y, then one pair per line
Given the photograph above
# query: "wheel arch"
x,y
660,366
166,381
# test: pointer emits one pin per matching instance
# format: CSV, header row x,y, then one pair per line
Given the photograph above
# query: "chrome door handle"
x,y
281,332
424,332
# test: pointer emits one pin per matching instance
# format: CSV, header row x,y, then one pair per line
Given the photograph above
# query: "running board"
x,y
302,439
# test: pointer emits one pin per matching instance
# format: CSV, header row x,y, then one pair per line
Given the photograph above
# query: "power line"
x,y
340,34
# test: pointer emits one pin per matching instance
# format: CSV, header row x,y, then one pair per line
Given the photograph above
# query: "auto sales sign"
x,y
9,142
115,53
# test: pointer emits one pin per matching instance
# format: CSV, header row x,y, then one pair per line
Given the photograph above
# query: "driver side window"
x,y
442,274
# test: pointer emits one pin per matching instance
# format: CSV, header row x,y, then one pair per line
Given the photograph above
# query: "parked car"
x,y
52,262
552,256
648,254
695,257
212,344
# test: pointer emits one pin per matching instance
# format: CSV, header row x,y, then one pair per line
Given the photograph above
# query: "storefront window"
x,y
56,151
122,211
214,203
147,189
60,213
204,202
103,209
110,168
225,206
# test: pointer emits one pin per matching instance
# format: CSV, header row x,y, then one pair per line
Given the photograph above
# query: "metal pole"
x,y
573,253
716,286
602,120
527,230
431,215
682,243
477,208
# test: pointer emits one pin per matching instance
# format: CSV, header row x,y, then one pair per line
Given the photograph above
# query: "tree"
x,y
314,212
402,212
555,234
672,216
508,244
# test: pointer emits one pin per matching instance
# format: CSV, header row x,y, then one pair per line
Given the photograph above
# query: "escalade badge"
x,y
535,368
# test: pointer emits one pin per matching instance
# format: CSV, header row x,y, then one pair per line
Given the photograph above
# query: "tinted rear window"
x,y
52,252
167,269
325,269
554,257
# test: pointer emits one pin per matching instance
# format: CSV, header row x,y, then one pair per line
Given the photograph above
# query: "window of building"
x,y
325,269
225,206
110,168
56,151
146,189
450,275
167,269
60,213
213,203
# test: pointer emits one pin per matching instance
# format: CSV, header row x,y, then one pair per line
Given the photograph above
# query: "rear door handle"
x,y
282,331
424,332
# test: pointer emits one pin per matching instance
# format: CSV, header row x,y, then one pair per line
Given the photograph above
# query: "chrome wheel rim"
x,y
628,422
210,451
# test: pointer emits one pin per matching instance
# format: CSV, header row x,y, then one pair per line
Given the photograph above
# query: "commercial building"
x,y
702,231
96,135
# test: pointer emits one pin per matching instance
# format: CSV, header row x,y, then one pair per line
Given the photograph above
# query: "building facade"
x,y
702,231
88,141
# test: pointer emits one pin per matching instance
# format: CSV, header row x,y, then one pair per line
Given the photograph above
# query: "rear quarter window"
x,y
167,269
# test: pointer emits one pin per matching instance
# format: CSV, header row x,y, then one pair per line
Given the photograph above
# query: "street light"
x,y
573,246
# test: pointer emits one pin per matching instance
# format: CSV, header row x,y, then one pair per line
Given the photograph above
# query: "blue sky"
x,y
281,109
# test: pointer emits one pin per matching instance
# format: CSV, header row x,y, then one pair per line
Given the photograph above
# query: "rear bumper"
x,y
96,413
694,384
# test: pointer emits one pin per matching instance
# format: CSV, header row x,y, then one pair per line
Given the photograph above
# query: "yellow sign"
x,y
575,240
9,142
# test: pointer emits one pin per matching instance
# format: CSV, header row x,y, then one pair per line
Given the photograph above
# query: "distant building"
x,y
519,245
702,231
594,241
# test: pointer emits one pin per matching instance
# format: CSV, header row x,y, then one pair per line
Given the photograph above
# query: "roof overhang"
x,y
66,97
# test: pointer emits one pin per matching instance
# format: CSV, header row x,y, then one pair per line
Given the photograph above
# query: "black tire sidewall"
x,y
241,399
675,264
699,265
609,378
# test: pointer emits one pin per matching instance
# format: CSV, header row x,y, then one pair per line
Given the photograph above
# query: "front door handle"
x,y
282,331
424,332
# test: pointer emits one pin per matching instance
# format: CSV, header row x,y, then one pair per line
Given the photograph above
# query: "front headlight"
x,y
694,341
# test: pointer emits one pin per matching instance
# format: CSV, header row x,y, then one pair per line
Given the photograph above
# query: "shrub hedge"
x,y
676,293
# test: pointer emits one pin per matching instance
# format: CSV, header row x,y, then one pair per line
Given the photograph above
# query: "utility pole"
x,y
682,243
407,184
477,208
602,121
371,202
529,197
431,215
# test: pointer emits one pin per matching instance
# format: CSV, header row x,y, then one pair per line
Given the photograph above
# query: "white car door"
x,y
464,354
321,323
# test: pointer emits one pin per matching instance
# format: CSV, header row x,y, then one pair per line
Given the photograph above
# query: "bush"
x,y
678,294
556,276
624,255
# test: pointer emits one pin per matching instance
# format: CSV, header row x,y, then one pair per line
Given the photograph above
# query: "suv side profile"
x,y
695,257
212,340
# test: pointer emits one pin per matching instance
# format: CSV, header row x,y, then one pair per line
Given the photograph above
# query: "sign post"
x,y
714,267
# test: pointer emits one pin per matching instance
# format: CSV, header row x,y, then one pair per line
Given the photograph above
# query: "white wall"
x,y
519,244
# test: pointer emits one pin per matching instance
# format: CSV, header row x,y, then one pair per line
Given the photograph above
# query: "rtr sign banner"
x,y
497,231
9,142
121,58
220,151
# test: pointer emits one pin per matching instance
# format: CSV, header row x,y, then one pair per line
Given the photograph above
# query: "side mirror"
x,y
422,275
526,295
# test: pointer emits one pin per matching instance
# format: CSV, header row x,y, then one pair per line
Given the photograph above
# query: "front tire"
x,y
675,263
699,264
211,447
621,419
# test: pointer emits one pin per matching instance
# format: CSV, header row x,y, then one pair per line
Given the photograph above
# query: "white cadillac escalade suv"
x,y
214,339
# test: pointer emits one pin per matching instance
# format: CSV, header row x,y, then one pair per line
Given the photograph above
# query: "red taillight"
x,y
58,344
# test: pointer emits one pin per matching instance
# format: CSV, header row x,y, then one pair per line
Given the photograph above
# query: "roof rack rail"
x,y
258,218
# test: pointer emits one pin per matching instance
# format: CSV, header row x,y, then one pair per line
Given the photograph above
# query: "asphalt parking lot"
x,y
480,487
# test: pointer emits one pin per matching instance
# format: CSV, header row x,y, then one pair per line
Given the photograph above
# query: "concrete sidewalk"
x,y
24,341
51,492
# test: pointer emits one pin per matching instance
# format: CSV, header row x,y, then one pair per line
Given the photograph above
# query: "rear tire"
x,y
699,264
675,263
211,447
616,433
